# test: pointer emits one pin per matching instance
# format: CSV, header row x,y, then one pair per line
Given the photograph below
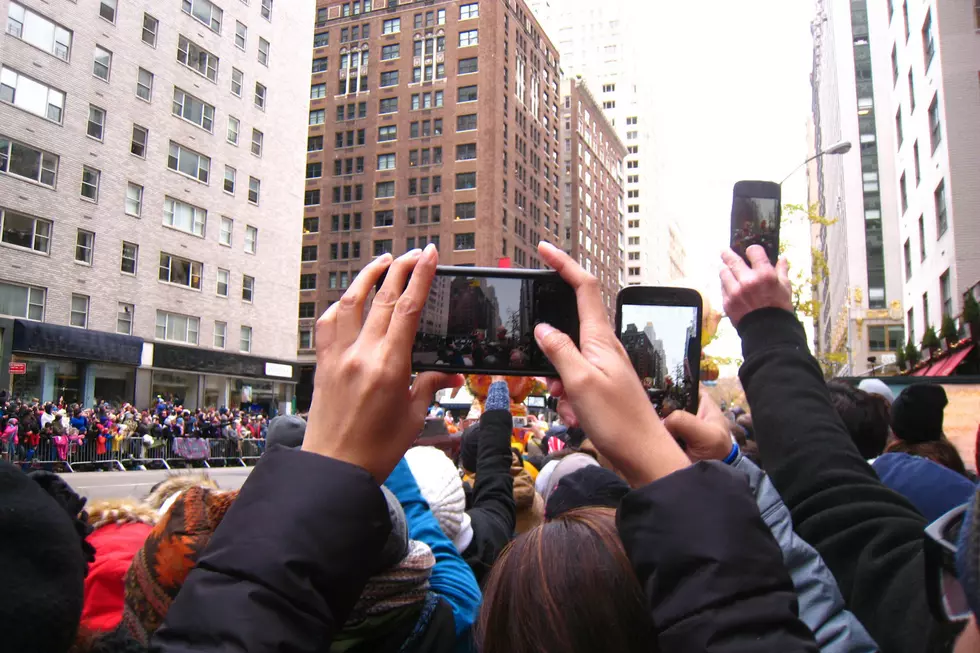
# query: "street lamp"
x,y
842,147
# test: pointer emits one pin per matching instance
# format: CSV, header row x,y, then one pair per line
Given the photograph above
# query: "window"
x,y
907,251
84,246
386,162
922,239
124,318
387,133
311,225
389,52
305,338
266,10
177,328
321,39
263,51
318,91
388,105
188,162
137,144
27,162
260,93
220,334
102,63
466,122
464,242
258,138
916,161
466,94
317,117
234,125
935,127
22,301
467,66
205,11
245,341
911,318
312,197
389,78
466,211
925,309
226,231
237,81
107,10
150,26
314,170
223,283
200,61
78,316
946,292
180,271
193,110
320,64
144,84
470,10
911,93
130,256
248,288
90,183
307,281
31,27
465,180
241,35
134,199
308,253
307,310
314,144
468,38
384,189
30,95
230,176
383,247
254,190
939,198
251,239
384,218
21,230
183,216
391,26
903,192
466,152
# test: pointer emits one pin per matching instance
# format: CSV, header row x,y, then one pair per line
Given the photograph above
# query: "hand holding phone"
x,y
756,215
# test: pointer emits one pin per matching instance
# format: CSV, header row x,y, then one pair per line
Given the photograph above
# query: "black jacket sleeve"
x,y
869,536
287,563
493,512
709,566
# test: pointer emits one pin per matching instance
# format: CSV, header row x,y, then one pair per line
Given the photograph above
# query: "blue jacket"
x,y
452,578
933,489
822,607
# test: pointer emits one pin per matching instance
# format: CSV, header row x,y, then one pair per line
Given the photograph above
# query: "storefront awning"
x,y
44,339
948,365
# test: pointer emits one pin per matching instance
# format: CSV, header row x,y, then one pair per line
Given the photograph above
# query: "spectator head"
x,y
879,388
442,489
939,451
535,601
565,466
286,431
917,414
865,417
590,486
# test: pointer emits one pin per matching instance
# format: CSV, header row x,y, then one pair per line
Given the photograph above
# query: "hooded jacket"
x,y
821,604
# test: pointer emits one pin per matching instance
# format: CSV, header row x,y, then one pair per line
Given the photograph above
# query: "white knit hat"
x,y
441,487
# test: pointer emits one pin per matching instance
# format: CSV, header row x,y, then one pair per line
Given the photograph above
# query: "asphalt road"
x,y
136,485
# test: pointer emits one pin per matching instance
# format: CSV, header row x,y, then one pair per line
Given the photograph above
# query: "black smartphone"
x,y
756,213
661,331
481,321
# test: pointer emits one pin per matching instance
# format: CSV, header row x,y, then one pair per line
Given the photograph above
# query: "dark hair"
x,y
938,451
866,417
535,602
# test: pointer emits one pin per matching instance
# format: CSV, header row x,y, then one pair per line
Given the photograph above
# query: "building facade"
x,y
606,44
429,122
150,198
858,291
593,197
931,52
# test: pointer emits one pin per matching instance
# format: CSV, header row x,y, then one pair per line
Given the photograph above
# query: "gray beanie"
x,y
396,548
286,431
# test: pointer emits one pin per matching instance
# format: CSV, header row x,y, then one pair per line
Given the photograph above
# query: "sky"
x,y
735,103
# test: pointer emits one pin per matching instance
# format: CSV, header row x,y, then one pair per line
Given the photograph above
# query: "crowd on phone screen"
x,y
818,517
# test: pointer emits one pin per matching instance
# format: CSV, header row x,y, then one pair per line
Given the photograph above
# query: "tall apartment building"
x,y
606,43
150,198
592,175
430,122
860,298
930,52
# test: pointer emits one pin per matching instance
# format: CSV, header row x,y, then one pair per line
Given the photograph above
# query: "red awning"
x,y
949,365
923,371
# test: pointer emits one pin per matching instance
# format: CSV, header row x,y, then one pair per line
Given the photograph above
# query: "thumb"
x,y
703,441
427,384
560,350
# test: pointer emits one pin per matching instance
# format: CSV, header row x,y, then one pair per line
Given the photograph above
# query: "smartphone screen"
x,y
664,345
480,322
755,221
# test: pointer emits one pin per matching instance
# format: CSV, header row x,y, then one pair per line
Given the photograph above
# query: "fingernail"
x,y
543,330
412,253
429,250
545,244
384,257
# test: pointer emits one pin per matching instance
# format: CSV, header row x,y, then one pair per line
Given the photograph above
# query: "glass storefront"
x,y
266,396
115,384
48,380
176,387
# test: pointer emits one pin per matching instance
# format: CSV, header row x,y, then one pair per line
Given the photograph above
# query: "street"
x,y
136,485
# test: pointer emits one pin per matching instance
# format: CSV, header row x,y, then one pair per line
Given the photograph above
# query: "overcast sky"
x,y
736,96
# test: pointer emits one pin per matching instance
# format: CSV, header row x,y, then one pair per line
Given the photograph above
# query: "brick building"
x,y
592,176
430,122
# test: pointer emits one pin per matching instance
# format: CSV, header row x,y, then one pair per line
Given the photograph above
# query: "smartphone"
x,y
661,331
481,321
756,213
